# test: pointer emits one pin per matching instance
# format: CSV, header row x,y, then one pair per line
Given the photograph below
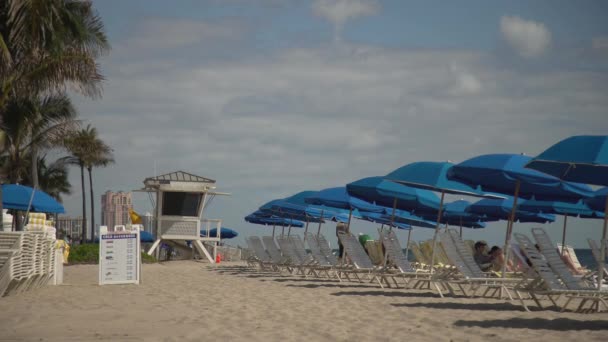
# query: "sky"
x,y
273,97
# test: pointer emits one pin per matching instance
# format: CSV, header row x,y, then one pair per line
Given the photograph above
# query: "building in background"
x,y
115,208
72,226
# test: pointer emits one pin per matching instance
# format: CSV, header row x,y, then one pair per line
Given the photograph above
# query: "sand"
x,y
189,300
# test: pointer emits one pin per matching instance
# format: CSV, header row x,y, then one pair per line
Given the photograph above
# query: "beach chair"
x,y
261,257
360,263
10,260
548,283
469,272
399,265
324,246
595,251
297,262
555,261
421,260
278,259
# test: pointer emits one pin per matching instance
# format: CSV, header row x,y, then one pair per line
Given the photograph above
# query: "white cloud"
x,y
338,12
309,118
528,38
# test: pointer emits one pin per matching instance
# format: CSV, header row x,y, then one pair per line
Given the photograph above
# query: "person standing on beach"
x,y
341,227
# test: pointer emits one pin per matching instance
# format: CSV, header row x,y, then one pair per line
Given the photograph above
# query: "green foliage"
x,y
89,254
84,254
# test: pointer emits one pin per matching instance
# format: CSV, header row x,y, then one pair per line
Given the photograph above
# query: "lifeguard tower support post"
x,y
181,199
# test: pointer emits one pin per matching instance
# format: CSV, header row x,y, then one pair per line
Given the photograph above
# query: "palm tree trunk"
x,y
84,207
90,169
34,167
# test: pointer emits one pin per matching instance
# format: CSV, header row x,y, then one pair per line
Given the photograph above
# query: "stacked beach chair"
x,y
27,259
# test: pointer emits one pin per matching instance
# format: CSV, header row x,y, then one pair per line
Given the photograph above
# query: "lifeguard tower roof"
x,y
179,180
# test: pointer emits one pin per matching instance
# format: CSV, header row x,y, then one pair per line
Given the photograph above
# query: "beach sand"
x,y
189,300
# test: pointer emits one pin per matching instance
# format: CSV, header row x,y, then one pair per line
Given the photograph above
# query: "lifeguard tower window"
x,y
181,203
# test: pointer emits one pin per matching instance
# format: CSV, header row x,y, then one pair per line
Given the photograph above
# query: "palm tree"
x,y
28,125
53,178
31,124
89,151
46,44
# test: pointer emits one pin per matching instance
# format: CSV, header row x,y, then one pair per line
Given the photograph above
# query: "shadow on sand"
x,y
558,324
498,306
382,293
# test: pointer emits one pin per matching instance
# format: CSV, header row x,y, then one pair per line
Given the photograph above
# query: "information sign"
x,y
119,256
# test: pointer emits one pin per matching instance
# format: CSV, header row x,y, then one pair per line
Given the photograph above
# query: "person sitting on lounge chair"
x,y
481,257
498,259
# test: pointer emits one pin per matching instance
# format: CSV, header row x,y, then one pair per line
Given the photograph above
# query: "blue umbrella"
x,y
598,200
339,198
225,233
455,213
384,219
389,194
24,198
579,159
432,176
502,173
579,209
269,220
505,174
502,208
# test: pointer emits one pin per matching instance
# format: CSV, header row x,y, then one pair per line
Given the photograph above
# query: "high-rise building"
x,y
115,208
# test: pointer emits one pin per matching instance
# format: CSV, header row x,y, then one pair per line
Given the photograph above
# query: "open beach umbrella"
x,y
25,198
339,198
582,159
505,174
455,214
579,209
273,221
225,233
502,208
432,176
384,220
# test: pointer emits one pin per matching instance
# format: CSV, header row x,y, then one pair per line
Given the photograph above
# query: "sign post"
x,y
119,255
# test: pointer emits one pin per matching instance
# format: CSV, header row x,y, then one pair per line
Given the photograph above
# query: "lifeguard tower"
x,y
181,199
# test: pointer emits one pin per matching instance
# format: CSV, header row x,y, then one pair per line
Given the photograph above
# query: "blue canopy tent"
x,y
505,174
583,159
225,233
432,176
25,198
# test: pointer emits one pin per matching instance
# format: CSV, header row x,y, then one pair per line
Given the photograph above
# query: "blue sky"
x,y
273,97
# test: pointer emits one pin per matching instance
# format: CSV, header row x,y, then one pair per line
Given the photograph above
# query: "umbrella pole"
x,y
283,231
321,220
393,213
437,230
461,227
273,227
305,230
510,229
603,250
407,247
350,215
289,230
564,236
